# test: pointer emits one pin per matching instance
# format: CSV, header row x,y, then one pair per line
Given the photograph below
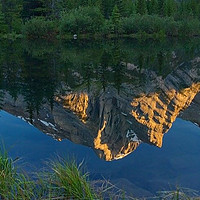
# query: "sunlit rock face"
x,y
124,122
157,111
77,103
113,122
108,127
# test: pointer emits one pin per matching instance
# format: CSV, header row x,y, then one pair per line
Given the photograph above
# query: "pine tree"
x,y
121,7
141,7
35,8
12,14
161,7
117,66
129,7
169,8
3,26
198,12
107,7
193,6
152,7
116,19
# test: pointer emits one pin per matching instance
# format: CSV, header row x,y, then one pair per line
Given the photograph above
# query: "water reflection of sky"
x,y
149,167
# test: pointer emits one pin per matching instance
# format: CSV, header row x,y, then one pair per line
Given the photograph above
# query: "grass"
x,y
13,185
65,180
71,182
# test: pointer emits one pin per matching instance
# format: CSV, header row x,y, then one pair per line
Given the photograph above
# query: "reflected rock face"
x,y
115,123
77,103
157,112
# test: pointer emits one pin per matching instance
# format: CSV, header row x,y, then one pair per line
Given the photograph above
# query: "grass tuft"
x,y
71,181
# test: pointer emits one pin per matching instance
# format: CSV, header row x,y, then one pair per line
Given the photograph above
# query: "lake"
x,y
129,109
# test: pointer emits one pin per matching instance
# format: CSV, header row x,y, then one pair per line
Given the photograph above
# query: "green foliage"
x,y
33,8
161,7
11,10
190,27
71,181
96,16
106,7
141,7
145,23
82,20
129,8
39,27
154,24
67,181
116,19
121,6
171,27
3,25
13,185
169,8
152,6
107,27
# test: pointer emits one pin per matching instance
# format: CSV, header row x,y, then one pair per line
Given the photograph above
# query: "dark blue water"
x,y
147,170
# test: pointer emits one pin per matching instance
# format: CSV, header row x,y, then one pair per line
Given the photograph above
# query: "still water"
x,y
130,109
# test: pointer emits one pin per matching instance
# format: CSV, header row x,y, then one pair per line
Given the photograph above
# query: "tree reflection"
x,y
39,70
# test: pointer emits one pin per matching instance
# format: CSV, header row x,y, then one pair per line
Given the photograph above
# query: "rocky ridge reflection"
x,y
123,123
115,117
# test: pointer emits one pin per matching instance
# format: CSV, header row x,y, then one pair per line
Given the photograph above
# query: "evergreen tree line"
x,y
49,18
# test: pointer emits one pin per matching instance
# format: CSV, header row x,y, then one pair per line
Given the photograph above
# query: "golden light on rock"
x,y
100,146
158,112
126,150
77,103
108,154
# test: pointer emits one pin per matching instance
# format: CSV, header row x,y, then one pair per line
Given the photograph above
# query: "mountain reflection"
x,y
108,96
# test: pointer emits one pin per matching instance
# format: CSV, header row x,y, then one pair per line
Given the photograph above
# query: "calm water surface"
x,y
129,109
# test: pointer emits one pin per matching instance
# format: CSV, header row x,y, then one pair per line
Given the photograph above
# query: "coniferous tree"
x,y
32,8
169,8
161,6
193,7
3,26
117,66
107,7
121,7
116,19
129,7
152,7
141,7
12,14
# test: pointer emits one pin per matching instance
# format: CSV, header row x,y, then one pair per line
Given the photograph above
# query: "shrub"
x,y
130,24
146,23
107,27
190,27
81,20
39,27
170,26
151,24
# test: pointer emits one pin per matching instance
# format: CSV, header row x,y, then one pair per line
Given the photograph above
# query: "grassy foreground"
x,y
66,180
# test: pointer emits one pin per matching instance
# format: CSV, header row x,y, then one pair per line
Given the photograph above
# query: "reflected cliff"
x,y
118,123
109,97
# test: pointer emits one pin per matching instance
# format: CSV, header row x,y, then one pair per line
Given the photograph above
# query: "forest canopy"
x,y
52,18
